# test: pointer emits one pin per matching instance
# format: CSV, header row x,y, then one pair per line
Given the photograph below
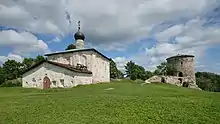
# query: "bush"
x,y
139,81
12,83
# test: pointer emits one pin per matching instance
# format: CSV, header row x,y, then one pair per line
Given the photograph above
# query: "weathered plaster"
x,y
98,65
59,77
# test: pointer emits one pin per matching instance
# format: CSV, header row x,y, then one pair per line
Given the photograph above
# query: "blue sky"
x,y
146,32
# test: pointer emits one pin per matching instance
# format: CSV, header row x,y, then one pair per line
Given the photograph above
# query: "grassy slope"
x,y
127,103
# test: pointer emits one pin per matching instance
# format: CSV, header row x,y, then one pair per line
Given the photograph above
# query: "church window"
x,y
62,82
33,79
54,83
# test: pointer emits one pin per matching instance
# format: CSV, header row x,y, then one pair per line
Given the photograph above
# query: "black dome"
x,y
79,36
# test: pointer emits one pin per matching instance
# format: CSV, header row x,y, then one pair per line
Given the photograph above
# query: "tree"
x,y
208,81
39,59
71,46
12,69
114,72
135,71
2,76
164,69
28,62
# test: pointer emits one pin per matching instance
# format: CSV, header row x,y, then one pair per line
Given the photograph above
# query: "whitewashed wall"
x,y
34,77
56,75
100,69
97,64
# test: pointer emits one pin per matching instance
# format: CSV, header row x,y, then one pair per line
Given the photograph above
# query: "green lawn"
x,y
127,103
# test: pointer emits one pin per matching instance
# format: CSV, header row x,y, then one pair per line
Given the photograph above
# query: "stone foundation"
x,y
174,80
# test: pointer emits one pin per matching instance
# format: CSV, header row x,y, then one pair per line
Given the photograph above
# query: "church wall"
x,y
95,63
59,77
34,77
61,58
100,69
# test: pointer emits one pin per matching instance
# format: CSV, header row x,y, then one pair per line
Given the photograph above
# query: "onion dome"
x,y
79,36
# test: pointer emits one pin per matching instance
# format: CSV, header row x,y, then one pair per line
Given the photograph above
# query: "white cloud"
x,y
22,42
191,38
11,56
103,21
120,62
170,32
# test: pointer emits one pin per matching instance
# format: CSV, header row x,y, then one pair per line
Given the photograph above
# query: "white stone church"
x,y
69,68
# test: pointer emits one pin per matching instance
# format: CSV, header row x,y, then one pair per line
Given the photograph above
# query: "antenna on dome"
x,y
78,25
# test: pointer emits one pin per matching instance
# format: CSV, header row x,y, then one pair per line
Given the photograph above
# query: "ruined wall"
x,y
59,77
174,80
184,65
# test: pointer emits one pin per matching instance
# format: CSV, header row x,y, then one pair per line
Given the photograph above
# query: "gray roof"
x,y
180,56
77,50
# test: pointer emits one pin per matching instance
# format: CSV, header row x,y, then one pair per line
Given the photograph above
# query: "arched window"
x,y
180,74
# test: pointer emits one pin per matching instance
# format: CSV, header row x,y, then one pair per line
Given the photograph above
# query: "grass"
x,y
126,102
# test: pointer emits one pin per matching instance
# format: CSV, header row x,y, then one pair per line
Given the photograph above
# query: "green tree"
x,y
12,69
2,76
135,71
114,72
71,46
27,63
208,81
38,59
164,69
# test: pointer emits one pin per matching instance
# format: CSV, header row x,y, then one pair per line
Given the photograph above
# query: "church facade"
x,y
69,68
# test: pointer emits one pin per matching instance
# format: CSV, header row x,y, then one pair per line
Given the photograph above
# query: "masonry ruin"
x,y
183,72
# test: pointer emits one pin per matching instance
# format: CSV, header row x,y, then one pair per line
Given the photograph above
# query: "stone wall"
x,y
174,80
59,77
97,64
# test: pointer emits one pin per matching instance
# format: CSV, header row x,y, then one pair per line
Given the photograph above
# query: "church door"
x,y
46,82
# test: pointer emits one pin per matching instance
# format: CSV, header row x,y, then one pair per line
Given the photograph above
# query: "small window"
x,y
54,83
181,63
62,82
33,79
26,82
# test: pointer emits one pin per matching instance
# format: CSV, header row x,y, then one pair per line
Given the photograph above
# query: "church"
x,y
66,69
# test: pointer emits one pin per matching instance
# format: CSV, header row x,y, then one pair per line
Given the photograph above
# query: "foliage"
x,y
128,103
28,62
11,70
71,46
39,59
164,69
208,81
12,83
2,76
114,72
135,71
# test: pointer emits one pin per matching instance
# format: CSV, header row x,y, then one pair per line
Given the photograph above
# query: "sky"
x,y
144,31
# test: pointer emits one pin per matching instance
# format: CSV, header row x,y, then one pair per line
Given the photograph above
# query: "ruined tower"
x,y
183,66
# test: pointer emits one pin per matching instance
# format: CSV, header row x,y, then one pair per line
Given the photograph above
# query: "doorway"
x,y
46,83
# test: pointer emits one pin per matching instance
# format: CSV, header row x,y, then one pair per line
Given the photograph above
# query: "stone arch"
x,y
46,82
163,80
185,84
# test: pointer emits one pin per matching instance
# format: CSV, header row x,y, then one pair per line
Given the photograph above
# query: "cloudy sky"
x,y
145,31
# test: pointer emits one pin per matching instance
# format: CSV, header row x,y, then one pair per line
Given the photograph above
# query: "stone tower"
x,y
79,38
183,66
